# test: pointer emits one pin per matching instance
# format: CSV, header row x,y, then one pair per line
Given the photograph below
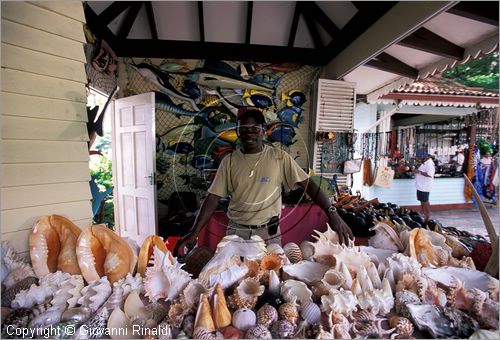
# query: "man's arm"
x,y
207,209
320,198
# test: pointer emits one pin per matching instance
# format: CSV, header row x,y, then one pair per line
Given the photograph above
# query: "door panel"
x,y
134,166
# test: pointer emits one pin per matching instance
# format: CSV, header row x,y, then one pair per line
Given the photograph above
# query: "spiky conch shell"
x,y
52,243
221,313
16,269
69,292
353,258
146,252
403,326
246,294
102,252
95,294
165,280
35,295
204,315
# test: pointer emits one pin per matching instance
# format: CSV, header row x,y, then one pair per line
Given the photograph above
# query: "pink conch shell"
x,y
385,238
421,248
101,252
165,280
52,245
146,252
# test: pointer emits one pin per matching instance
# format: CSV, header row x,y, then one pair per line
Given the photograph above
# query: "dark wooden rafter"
x,y
295,24
100,29
388,63
151,20
311,25
427,41
213,50
113,11
249,22
322,18
368,13
129,20
201,21
483,11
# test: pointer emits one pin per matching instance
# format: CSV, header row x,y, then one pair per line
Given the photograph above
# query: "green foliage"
x,y
104,179
482,72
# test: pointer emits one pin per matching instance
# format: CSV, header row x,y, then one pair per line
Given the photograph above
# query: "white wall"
x,y
44,162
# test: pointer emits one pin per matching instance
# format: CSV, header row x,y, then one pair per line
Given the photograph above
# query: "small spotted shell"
x,y
266,315
282,329
258,332
288,311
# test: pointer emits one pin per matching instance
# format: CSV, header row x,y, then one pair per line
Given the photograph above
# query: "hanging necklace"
x,y
252,169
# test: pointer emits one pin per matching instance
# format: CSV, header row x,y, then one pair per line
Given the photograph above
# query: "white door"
x,y
134,166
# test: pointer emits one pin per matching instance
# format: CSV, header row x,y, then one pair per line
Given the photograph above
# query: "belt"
x,y
271,222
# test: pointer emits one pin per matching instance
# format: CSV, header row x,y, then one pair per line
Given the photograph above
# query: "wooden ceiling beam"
x,y
249,22
151,20
427,41
388,63
295,24
147,48
99,29
311,25
113,11
129,20
201,20
482,11
322,19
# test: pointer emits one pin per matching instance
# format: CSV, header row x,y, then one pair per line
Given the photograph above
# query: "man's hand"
x,y
338,224
188,241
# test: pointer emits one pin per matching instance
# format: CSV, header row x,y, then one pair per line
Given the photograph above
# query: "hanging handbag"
x,y
352,166
384,177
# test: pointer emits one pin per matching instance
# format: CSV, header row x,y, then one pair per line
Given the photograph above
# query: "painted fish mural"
x,y
290,115
282,133
295,98
258,99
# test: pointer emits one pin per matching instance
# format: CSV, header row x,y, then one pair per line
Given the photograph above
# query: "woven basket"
x,y
197,259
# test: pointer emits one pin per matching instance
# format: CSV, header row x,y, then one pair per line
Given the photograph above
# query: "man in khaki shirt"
x,y
253,178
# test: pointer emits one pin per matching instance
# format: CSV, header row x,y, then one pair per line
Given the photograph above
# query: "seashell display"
x,y
10,294
102,252
47,318
69,292
134,307
296,292
188,325
130,283
266,315
341,331
352,258
243,319
95,294
288,311
190,296
293,252
333,279
484,334
421,248
385,238
221,314
204,315
35,295
372,330
52,244
373,275
13,267
402,299
274,283
202,333
146,252
319,289
282,329
305,271
271,262
471,278
232,333
97,321
307,249
176,313
310,312
459,249
329,235
275,248
254,269
340,301
402,326
377,255
118,323
229,276
246,293
398,264
258,332
165,280
80,314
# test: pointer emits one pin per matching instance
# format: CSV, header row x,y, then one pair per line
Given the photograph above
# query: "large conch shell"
x,y
52,246
146,252
221,314
101,252
385,238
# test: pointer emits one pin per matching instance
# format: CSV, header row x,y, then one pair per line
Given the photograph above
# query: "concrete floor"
x,y
468,219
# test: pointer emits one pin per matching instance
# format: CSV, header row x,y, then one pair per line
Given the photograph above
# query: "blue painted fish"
x,y
267,79
258,99
163,102
226,135
202,162
294,98
290,115
179,147
282,133
191,89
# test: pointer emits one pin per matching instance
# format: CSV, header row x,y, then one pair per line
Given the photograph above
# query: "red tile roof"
x,y
442,86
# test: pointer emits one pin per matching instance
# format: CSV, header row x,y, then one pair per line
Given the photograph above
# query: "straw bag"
x,y
384,177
